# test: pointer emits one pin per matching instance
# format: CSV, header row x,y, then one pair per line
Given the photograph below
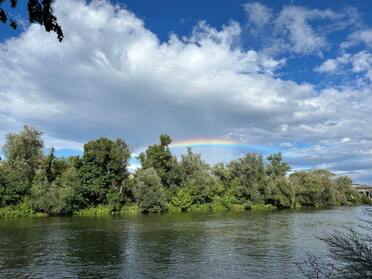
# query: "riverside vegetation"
x,y
33,183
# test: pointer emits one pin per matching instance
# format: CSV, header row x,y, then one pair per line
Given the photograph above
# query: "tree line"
x,y
38,182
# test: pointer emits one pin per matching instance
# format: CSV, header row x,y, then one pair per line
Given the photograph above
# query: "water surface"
x,y
173,245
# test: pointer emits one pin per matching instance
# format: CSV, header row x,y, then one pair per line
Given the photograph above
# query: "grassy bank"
x,y
23,210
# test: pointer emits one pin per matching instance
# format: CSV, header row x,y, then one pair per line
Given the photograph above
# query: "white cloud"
x,y
359,63
258,15
112,77
294,21
297,29
328,66
358,37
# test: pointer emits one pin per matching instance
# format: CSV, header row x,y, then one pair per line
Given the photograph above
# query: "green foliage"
x,y
277,168
103,168
97,210
38,12
345,192
250,175
100,180
283,193
308,187
25,147
115,201
54,167
196,179
62,196
229,201
149,191
183,199
159,157
23,152
21,209
53,199
263,207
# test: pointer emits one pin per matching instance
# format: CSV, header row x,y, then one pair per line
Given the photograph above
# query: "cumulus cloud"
x,y
113,77
297,29
357,65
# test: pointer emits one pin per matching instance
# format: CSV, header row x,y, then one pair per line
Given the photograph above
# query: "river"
x,y
248,244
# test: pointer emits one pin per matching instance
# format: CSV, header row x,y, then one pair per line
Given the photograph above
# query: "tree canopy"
x,y
38,12
38,182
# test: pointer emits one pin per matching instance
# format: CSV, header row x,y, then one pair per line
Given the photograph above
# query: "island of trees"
x,y
35,183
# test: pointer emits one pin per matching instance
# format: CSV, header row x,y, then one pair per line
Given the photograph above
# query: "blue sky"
x,y
288,76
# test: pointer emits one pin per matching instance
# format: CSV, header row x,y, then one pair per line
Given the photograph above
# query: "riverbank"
x,y
23,210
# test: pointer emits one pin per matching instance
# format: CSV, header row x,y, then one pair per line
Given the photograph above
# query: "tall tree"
x,y
276,167
104,168
149,191
196,177
281,191
309,187
159,157
248,173
23,153
38,12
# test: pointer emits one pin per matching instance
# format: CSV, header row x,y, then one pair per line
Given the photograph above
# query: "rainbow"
x,y
219,143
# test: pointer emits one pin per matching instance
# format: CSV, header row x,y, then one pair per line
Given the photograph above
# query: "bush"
x,y
149,192
349,249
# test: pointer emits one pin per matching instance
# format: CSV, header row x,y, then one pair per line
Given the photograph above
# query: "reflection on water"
x,y
174,245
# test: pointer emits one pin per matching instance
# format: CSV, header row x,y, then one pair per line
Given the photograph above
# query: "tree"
x,y
23,152
57,188
54,167
25,146
277,167
38,12
308,187
54,199
249,176
104,168
159,157
282,193
149,191
196,177
344,191
183,199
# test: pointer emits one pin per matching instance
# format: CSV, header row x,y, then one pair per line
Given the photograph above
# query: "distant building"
x,y
366,189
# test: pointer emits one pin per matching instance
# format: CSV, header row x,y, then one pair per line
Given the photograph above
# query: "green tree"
x,y
3,188
159,157
183,199
282,193
38,12
276,168
54,167
196,177
344,190
104,169
23,152
62,196
149,191
248,174
308,187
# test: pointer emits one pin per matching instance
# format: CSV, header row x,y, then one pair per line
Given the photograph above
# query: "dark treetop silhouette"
x,y
38,12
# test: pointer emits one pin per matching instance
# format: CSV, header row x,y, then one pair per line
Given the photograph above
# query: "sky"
x,y
258,76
